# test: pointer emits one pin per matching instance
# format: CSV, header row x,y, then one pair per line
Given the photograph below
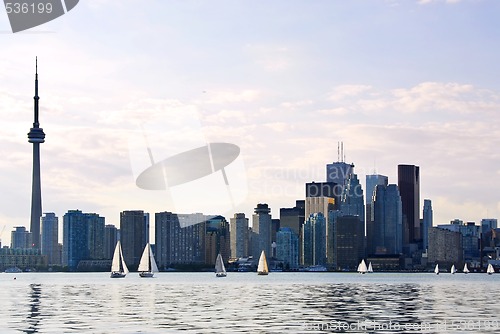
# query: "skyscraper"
x,y
134,233
83,237
75,239
36,136
386,237
20,238
287,247
314,238
239,235
371,182
217,239
261,231
50,238
180,238
426,222
409,189
110,239
349,239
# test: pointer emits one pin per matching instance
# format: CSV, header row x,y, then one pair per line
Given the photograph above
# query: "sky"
x,y
398,82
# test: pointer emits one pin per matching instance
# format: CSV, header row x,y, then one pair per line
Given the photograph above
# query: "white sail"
x,y
115,266
466,270
262,267
370,268
219,265
453,269
147,264
154,267
490,269
125,269
362,267
436,269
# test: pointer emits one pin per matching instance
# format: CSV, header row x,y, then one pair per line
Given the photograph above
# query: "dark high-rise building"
x,y
409,189
261,231
110,239
386,237
83,238
371,182
96,235
426,222
75,239
134,232
338,172
180,238
50,238
36,136
349,242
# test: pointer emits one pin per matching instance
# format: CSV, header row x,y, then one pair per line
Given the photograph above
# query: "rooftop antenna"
x,y
338,151
341,151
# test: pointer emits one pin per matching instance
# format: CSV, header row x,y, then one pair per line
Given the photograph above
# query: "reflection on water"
x,y
245,302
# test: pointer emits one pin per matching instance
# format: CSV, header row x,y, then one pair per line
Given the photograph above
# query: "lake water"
x,y
248,303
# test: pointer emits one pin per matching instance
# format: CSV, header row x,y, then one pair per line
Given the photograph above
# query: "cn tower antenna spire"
x,y
36,136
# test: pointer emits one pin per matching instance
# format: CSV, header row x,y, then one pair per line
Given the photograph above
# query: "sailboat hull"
x,y
262,273
146,274
117,275
220,274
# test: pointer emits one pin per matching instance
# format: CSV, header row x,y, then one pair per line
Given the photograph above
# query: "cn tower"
x,y
36,136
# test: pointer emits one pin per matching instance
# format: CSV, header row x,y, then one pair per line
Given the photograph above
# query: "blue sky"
x,y
411,82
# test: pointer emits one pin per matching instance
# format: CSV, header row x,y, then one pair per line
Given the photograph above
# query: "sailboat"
x,y
490,269
436,269
466,270
262,267
118,267
370,269
220,270
147,265
453,269
362,267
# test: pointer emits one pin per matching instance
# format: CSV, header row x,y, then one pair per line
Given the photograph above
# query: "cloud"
x,y
231,96
344,91
425,2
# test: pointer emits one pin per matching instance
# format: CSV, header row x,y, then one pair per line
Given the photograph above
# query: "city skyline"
x,y
388,78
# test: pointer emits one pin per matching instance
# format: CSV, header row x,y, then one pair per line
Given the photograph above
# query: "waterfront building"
x,y
22,258
239,235
445,248
386,233
110,240
83,238
409,189
426,223
75,239
349,242
217,240
50,238
261,231
21,238
471,235
134,235
287,247
179,238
